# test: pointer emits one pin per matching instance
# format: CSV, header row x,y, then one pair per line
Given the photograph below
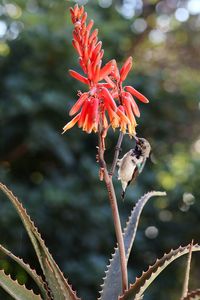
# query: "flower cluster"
x,y
107,103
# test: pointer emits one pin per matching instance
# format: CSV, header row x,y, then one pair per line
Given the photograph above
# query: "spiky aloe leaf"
x,y
57,283
137,289
194,295
112,285
17,291
38,279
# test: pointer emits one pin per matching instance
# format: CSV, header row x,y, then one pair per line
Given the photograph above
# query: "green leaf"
x,y
112,285
57,283
194,295
141,284
17,291
38,280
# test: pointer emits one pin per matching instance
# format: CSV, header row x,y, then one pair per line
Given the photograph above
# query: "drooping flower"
x,y
106,103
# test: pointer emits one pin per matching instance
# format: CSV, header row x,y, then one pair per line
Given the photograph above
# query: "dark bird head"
x,y
144,146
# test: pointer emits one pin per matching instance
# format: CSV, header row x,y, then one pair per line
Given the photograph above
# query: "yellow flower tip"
x,y
70,124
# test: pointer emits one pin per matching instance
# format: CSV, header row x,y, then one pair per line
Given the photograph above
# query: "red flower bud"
x,y
108,99
137,94
71,123
75,108
79,76
84,18
125,69
106,70
134,106
93,35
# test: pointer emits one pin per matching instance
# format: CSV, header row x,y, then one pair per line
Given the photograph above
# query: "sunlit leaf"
x,y
58,285
17,291
38,280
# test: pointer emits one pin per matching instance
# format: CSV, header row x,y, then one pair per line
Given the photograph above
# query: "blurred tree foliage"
x,y
56,176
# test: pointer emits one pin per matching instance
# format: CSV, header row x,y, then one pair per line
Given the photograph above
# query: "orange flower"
x,y
106,103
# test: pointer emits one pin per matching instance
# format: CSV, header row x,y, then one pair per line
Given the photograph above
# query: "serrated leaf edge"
x,y
192,295
37,278
134,220
15,282
141,283
22,211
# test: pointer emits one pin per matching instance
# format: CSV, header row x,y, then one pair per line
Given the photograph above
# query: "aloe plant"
x,y
106,104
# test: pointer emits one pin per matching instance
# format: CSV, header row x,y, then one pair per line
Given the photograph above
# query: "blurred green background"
x,y
56,176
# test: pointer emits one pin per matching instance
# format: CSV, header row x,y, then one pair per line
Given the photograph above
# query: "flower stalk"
x,y
106,103
115,212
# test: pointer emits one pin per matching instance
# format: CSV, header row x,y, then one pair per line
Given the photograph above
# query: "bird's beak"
x,y
136,138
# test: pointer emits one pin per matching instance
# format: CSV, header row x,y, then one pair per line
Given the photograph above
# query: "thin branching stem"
x,y
187,272
115,213
116,155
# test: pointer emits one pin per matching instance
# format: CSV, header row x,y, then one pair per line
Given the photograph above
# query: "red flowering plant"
x,y
107,103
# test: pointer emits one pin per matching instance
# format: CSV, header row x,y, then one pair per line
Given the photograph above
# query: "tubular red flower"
x,y
137,94
82,65
130,115
77,47
89,26
126,68
132,102
97,60
86,37
106,103
114,119
93,116
79,76
106,70
71,123
96,72
75,108
96,50
106,85
83,20
76,10
89,69
93,35
123,122
123,117
108,99
83,113
109,81
81,11
115,71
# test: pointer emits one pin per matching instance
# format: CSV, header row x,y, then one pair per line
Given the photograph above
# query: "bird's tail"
x,y
123,194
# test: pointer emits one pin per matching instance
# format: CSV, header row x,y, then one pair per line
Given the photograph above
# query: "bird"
x,y
132,163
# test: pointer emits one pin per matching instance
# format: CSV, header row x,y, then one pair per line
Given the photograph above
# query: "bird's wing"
x,y
140,166
135,173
